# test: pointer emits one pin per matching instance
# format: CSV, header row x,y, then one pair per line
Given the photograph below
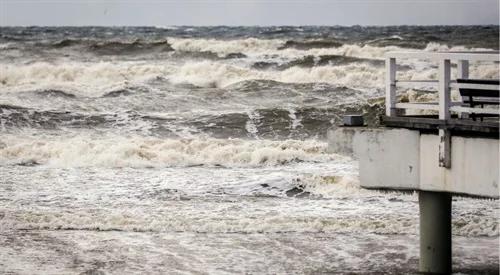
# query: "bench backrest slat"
x,y
480,94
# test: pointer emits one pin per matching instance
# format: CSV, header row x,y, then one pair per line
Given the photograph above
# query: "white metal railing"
x,y
443,84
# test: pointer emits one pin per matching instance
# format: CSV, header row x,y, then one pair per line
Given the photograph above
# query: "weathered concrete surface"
x,y
474,166
403,159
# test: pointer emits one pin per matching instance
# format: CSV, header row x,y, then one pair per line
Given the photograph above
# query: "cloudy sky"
x,y
248,12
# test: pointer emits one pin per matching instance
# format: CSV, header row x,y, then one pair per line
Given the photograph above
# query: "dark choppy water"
x,y
201,149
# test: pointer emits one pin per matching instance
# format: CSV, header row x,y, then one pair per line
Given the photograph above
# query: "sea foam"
x,y
116,151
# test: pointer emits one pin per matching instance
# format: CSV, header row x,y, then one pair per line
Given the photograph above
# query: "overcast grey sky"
x,y
248,12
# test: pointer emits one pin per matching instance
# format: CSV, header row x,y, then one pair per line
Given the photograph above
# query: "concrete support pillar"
x,y
435,232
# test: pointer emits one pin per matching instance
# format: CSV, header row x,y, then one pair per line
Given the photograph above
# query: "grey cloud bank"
x,y
162,13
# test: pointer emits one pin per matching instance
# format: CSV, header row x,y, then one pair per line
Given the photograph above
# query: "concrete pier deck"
x,y
454,152
407,160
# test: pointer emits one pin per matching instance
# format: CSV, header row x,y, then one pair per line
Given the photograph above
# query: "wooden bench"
x,y
483,95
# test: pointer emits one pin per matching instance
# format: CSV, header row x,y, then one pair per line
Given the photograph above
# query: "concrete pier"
x,y
438,155
412,158
435,232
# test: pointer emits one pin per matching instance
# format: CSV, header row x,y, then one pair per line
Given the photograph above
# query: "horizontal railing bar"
x,y
417,81
461,109
453,84
424,105
471,56
419,106
475,86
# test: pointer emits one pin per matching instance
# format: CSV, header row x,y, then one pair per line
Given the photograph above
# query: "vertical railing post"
x,y
444,113
444,89
463,69
390,86
463,73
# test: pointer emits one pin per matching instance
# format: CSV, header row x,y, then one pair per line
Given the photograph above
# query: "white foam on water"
x,y
216,74
436,47
252,122
167,27
219,200
137,221
360,51
167,190
255,47
363,76
117,151
296,122
93,79
7,46
193,214
224,47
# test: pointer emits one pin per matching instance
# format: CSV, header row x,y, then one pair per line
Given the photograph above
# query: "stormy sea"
x,y
202,150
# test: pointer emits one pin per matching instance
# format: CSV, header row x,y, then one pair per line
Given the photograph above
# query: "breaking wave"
x,y
203,74
115,47
119,151
96,78
137,46
276,47
212,74
90,78
289,48
140,222
135,220
225,47
311,44
312,61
